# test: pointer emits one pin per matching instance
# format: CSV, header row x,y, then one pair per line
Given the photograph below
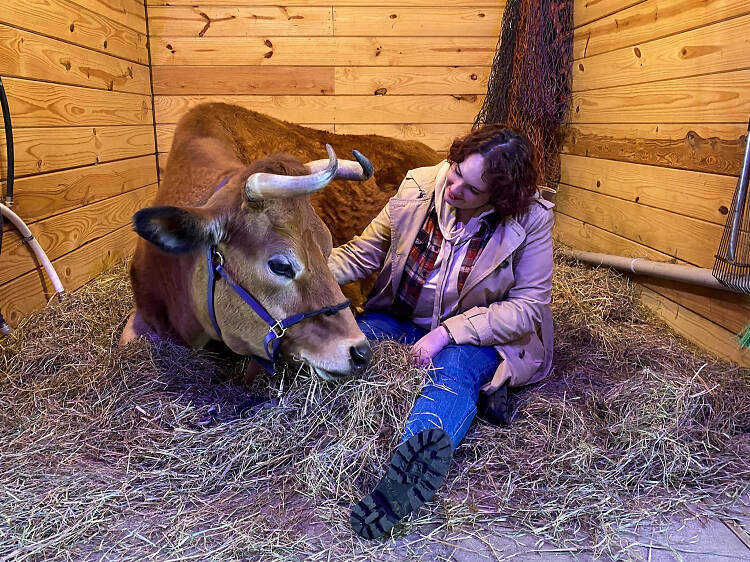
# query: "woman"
x,y
464,251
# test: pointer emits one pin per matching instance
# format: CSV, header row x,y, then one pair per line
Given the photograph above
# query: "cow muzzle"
x,y
348,361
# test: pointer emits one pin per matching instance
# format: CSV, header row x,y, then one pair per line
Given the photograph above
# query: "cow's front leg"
x,y
136,326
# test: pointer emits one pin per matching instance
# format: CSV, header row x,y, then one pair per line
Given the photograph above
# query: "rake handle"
x,y
739,210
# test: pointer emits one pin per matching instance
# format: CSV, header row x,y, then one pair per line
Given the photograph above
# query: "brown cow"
x,y
252,224
276,247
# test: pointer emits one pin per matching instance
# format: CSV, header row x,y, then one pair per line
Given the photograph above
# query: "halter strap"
x,y
215,264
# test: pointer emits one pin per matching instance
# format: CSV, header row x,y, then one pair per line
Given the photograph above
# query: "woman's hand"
x,y
430,345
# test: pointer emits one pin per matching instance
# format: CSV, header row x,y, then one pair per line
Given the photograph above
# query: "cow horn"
x,y
360,170
272,186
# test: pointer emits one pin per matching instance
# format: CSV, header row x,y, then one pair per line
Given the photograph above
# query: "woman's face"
x,y
465,188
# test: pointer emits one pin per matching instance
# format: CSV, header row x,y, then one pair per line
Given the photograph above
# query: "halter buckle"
x,y
278,329
217,258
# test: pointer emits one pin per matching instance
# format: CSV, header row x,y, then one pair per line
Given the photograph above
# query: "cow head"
x,y
275,246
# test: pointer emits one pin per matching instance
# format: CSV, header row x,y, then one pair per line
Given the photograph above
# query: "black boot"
x,y
417,469
495,408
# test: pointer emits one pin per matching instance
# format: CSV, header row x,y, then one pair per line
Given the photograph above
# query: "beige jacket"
x,y
505,300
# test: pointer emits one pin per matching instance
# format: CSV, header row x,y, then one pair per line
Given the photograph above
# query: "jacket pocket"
x,y
524,357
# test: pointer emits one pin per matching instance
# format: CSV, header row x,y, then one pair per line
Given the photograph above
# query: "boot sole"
x,y
417,470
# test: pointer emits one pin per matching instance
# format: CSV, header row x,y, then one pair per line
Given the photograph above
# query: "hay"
x,y
158,452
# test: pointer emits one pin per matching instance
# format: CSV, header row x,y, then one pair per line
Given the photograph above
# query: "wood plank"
x,y
44,195
335,109
165,135
702,332
444,21
28,55
699,195
689,146
729,310
723,98
270,80
63,233
227,21
685,238
437,136
65,20
31,292
581,235
130,13
48,149
650,20
421,3
708,50
37,104
324,51
585,11
415,80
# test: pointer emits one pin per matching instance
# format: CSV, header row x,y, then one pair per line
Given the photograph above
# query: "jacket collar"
x,y
409,213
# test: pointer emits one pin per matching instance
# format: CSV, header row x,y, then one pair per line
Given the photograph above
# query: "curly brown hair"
x,y
509,168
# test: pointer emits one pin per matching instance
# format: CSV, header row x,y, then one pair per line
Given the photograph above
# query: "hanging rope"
x,y
529,84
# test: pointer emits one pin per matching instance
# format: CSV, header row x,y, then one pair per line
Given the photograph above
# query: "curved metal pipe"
x,y
29,239
640,266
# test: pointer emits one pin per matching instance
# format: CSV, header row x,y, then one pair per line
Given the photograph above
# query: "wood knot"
x,y
473,77
580,67
393,16
381,92
723,210
637,52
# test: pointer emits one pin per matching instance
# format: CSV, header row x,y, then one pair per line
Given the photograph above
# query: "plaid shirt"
x,y
423,255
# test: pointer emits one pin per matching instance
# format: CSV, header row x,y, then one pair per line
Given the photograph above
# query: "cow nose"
x,y
361,355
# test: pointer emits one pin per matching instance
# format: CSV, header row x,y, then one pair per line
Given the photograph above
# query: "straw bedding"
x,y
158,452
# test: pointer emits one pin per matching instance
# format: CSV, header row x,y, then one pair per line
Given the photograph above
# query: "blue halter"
x,y
215,264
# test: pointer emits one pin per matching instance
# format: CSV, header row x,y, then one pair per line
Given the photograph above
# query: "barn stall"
x,y
161,452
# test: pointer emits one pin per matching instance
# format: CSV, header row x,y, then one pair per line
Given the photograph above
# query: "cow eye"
x,y
281,267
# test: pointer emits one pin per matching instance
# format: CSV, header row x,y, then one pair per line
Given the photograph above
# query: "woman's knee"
x,y
468,363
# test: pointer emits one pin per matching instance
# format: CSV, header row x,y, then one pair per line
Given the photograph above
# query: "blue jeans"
x,y
449,397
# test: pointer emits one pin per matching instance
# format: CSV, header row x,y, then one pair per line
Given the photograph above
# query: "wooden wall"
x,y
77,77
414,69
655,143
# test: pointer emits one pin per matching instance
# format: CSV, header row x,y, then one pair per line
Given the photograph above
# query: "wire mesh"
x,y
529,84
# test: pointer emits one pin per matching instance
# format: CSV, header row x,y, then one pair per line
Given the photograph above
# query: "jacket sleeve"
x,y
364,253
520,312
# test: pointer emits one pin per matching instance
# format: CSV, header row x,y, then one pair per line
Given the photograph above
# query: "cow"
x,y
227,221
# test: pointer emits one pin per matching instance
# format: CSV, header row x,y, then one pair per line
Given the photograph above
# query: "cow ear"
x,y
177,230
